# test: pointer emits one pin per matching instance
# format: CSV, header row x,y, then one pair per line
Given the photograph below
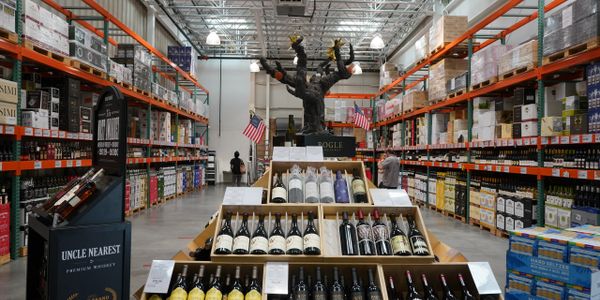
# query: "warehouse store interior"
x,y
310,149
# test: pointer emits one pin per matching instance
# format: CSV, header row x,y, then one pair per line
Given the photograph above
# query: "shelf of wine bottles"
x,y
318,182
571,203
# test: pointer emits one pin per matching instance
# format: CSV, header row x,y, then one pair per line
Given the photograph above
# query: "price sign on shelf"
x,y
54,133
46,133
556,172
28,131
527,142
597,138
498,169
582,174
58,164
586,138
506,170
1,167
62,134
37,132
9,130
564,139
69,163
78,163
523,170
159,277
276,278
554,140
37,164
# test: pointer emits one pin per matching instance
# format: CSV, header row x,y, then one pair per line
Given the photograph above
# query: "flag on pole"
x,y
360,119
255,129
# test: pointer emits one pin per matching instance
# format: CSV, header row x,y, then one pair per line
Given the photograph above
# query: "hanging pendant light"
x,y
377,42
213,38
254,68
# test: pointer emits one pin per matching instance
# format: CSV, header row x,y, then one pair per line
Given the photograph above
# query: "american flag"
x,y
255,129
360,119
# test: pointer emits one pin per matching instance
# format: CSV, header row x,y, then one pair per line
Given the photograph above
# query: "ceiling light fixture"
x,y
357,70
377,42
254,68
295,60
213,38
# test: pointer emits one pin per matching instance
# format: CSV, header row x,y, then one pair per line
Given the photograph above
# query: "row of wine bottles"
x,y
197,289
311,187
42,150
377,239
276,243
302,288
429,292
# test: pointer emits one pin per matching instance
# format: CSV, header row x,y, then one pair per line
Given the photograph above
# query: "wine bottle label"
x,y
253,295
196,294
294,242
295,183
400,244
358,186
301,295
235,295
337,296
277,242
311,190
224,242
319,295
259,243
326,190
380,232
374,296
213,294
74,200
419,245
178,294
241,242
364,233
279,192
312,240
357,296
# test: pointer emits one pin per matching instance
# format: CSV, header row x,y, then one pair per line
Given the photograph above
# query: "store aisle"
x,y
160,232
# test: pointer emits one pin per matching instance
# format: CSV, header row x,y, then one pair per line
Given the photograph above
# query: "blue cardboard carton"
x,y
525,241
559,271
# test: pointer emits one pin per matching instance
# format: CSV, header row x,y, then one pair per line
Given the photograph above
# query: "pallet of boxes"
x,y
518,60
445,30
484,65
440,73
387,74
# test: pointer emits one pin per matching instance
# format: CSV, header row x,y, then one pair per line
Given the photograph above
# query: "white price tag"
x,y
46,133
523,170
1,128
69,163
556,172
62,134
476,167
575,139
498,168
37,164
527,142
597,138
58,164
544,141
390,197
587,138
564,139
519,142
159,277
9,130
54,133
511,142
28,131
506,170
78,163
314,153
276,278
533,141
555,140
1,166
281,153
488,168
582,174
243,196
37,132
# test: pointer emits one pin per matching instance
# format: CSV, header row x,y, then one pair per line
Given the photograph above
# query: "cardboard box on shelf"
x,y
441,72
8,113
484,64
574,103
35,119
445,30
522,56
528,112
552,126
8,91
529,128
414,100
553,96
505,130
577,124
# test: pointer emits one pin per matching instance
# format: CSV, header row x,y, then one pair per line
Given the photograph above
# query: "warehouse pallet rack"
x,y
13,47
539,75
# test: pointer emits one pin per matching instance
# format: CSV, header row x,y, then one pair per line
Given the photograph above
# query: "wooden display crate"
x,y
332,218
286,211
282,167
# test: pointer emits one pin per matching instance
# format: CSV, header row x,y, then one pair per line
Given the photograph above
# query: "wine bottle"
x,y
197,291
325,186
412,289
347,236
337,288
179,291
259,243
278,193
312,241
290,134
366,246
417,240
241,243
373,292
295,192
226,287
359,191
237,290
356,291
311,191
341,189
277,242
466,295
447,292
81,196
319,291
294,242
309,285
291,288
428,289
400,245
254,289
381,235
215,292
300,290
224,241
392,292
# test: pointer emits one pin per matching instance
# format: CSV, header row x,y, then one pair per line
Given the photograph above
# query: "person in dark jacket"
x,y
236,164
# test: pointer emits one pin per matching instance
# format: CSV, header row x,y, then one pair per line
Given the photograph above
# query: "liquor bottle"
x,y
224,241
197,291
180,288
381,236
341,189
417,240
359,191
356,291
278,193
215,292
337,288
326,186
366,246
348,236
237,290
259,244
373,292
400,244
294,242
254,289
295,192
312,241
428,289
447,292
412,293
82,195
241,243
319,290
392,292
68,191
466,295
277,242
311,192
290,134
301,290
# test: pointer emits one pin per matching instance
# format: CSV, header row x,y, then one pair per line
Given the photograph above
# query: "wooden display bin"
x,y
286,211
332,218
283,167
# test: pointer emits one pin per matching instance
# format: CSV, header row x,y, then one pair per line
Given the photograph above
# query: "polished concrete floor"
x,y
160,232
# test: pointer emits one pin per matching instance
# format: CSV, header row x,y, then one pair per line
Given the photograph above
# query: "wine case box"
x,y
282,167
332,217
286,211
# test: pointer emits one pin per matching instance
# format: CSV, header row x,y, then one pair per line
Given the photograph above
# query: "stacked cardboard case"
x,y
387,74
8,9
184,57
484,64
422,47
45,29
120,72
445,30
139,60
440,73
87,47
8,102
522,56
571,26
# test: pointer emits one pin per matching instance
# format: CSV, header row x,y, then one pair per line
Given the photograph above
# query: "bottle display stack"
x,y
47,125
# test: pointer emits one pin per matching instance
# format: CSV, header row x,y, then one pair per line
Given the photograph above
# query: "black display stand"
x,y
88,257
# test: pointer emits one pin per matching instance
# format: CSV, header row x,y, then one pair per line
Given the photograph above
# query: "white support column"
x,y
268,113
150,30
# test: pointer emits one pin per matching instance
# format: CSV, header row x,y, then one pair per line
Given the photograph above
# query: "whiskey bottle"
x,y
224,240
179,291
197,290
348,236
278,193
241,243
259,244
312,241
82,195
400,245
381,235
68,191
294,242
277,241
366,246
359,191
254,289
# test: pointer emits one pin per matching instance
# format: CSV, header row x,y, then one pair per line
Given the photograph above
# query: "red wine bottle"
x,y
294,242
382,236
366,246
429,292
447,292
348,236
224,240
412,289
312,240
466,295
277,238
391,289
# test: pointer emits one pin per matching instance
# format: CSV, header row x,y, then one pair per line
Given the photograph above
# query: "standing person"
x,y
237,168
391,170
